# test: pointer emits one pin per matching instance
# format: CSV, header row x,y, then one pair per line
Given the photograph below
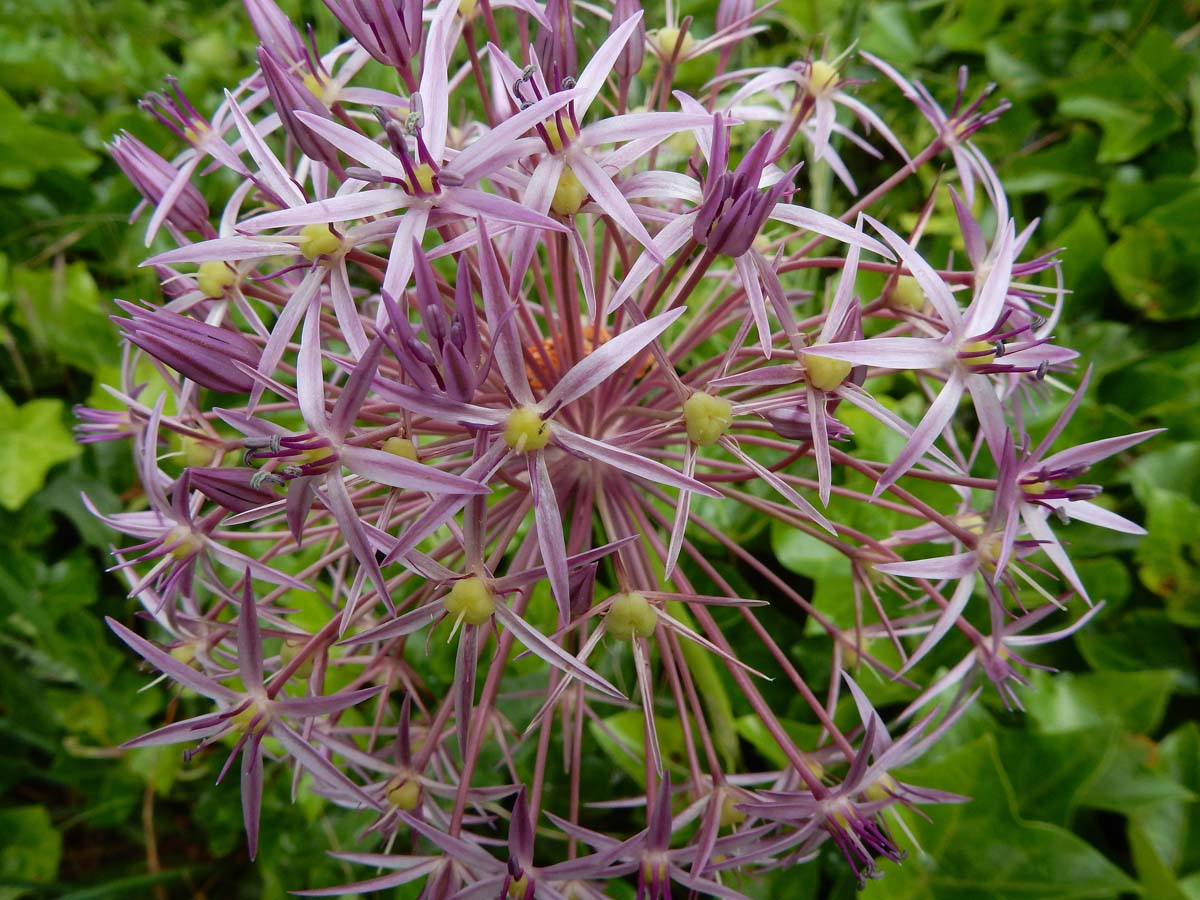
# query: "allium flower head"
x,y
499,386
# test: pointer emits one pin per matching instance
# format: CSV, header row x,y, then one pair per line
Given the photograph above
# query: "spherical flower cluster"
x,y
470,372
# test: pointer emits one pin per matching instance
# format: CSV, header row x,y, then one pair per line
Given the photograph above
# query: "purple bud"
x,y
201,352
276,32
390,30
629,62
152,176
289,94
235,488
732,13
555,43
794,423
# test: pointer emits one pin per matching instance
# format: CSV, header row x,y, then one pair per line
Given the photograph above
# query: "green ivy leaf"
x,y
983,850
1066,702
32,848
35,440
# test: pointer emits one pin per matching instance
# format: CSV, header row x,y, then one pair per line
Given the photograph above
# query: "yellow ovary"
x,y
707,418
630,616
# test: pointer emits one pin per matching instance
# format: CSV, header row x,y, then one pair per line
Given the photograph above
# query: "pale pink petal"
x,y
549,524
931,283
336,209
889,353
607,196
633,463
607,359
227,249
405,474
1093,514
819,223
940,412
547,650
271,172
949,615
670,239
594,74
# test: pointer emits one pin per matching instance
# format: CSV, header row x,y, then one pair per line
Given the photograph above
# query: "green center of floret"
x,y
630,616
402,447
318,240
569,195
824,373
526,430
907,293
470,600
403,792
978,353
214,277
821,76
707,418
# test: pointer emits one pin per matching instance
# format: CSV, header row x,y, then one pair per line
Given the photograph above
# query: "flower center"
x,y
403,447
317,86
214,277
666,39
318,239
882,789
517,887
569,195
730,814
630,616
423,176
559,132
244,720
821,77
471,600
977,353
403,792
289,650
707,418
824,373
526,430
186,543
907,293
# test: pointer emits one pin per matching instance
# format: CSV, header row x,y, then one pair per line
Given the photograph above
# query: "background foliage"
x,y
1091,794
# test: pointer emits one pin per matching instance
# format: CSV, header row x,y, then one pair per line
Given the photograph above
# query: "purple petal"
x,y
549,524
410,622
168,665
595,73
336,209
227,249
475,204
252,783
949,615
1094,451
669,240
398,472
633,463
545,649
600,185
889,353
346,514
272,173
957,566
819,223
607,359
506,344
249,641
931,283
940,412
309,707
